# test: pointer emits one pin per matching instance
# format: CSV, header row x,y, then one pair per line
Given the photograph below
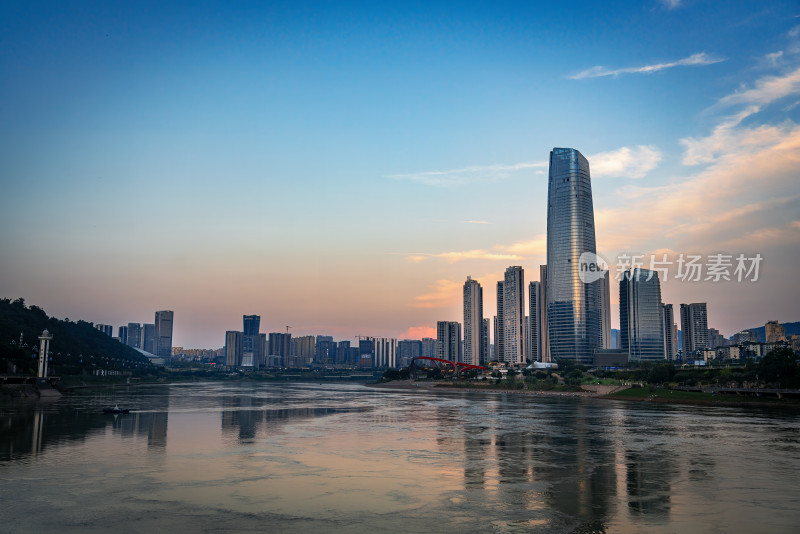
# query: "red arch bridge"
x,y
458,367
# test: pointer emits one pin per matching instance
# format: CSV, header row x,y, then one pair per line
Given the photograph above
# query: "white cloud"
x,y
730,137
773,58
766,90
456,256
625,162
791,106
628,162
439,296
671,4
536,247
466,175
693,60
747,189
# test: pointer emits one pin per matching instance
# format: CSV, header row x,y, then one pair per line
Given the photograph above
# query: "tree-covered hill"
x,y
76,348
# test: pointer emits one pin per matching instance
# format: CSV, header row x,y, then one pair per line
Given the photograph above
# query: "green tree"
x,y
660,373
780,366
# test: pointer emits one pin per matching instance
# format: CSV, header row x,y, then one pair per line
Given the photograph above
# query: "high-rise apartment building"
x,y
366,352
429,347
343,353
499,325
448,341
279,345
134,335
107,329
715,339
641,319
325,350
774,332
148,341
385,354
514,316
485,354
233,348
473,322
162,335
745,336
573,307
302,350
407,350
605,311
251,341
543,330
123,335
534,345
694,328
670,332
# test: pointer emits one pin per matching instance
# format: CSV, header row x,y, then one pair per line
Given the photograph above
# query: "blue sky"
x,y
342,167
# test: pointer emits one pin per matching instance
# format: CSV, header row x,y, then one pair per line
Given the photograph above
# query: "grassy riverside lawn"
x,y
697,397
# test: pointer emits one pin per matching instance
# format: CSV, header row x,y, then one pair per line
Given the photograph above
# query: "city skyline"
x,y
342,169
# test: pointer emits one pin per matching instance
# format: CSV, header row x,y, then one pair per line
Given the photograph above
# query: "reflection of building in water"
x,y
246,417
589,490
648,482
476,452
150,425
38,424
571,471
238,416
33,430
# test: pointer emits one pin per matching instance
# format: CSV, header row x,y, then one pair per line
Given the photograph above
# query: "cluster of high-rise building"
x,y
250,348
153,338
565,315
568,312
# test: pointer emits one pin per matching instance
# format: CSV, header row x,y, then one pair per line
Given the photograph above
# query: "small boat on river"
x,y
116,410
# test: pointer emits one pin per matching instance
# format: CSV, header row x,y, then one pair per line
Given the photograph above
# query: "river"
x,y
342,457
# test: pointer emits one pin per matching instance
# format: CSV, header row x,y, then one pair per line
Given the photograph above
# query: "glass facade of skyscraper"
x,y
162,336
641,315
573,307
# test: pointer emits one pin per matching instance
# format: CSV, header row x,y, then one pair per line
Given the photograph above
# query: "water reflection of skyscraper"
x,y
33,430
533,468
649,474
246,417
150,424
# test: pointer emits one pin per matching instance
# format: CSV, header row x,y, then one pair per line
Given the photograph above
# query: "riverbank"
x,y
665,396
28,392
442,387
669,396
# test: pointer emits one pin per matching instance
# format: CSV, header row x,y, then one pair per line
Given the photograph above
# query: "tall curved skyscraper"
x,y
573,307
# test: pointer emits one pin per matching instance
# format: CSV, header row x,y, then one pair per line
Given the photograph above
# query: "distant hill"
x,y
76,348
792,329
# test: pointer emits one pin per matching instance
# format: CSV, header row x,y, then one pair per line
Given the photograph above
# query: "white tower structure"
x,y
44,348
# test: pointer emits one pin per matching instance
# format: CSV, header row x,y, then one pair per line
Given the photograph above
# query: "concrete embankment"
x,y
29,392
